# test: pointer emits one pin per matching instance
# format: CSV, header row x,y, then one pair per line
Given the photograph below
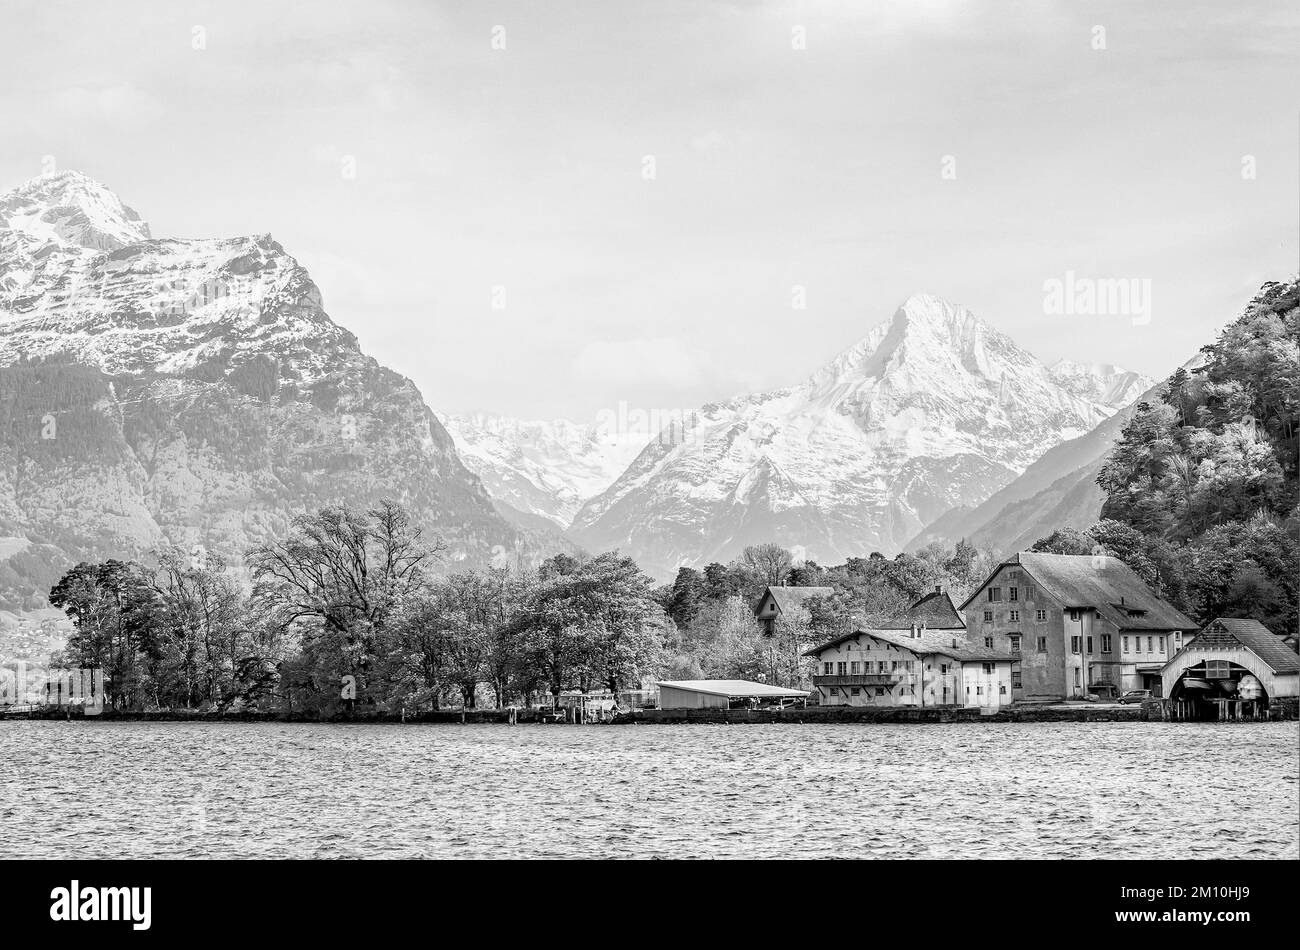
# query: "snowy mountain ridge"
x,y
931,410
545,467
193,393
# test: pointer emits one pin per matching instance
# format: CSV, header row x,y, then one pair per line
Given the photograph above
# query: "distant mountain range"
x,y
196,393
546,469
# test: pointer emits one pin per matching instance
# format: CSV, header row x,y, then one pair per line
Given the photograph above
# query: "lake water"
x,y
962,790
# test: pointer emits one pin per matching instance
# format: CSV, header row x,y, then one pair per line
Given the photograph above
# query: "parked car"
x,y
1135,696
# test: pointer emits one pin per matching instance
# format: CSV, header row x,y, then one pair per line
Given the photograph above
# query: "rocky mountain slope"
x,y
194,393
933,410
545,468
1059,490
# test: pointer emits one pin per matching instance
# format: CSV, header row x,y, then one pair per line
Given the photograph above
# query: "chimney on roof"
x,y
916,633
938,588
1121,600
954,643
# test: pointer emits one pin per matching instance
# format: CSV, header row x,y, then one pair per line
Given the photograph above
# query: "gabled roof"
x,y
1254,636
936,610
942,642
731,688
1104,584
788,598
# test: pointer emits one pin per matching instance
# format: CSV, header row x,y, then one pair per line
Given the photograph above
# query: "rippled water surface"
x,y
853,790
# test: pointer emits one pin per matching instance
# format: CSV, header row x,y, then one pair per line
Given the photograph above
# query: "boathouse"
x,y
723,694
1231,669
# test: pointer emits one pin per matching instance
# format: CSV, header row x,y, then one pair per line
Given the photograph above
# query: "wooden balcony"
x,y
860,679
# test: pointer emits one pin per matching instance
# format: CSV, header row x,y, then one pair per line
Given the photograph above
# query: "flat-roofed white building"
x,y
721,694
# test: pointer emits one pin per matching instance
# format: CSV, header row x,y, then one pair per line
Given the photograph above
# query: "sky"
x,y
554,209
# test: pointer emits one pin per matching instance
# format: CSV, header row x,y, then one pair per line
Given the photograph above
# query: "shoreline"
x,y
812,715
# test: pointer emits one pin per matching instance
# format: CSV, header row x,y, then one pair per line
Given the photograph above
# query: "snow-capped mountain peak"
x,y
932,409
193,392
70,209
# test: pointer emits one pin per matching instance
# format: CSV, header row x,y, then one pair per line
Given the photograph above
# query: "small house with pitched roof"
x,y
779,601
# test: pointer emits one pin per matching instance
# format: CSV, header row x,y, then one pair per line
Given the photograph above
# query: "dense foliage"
x,y
364,595
1207,479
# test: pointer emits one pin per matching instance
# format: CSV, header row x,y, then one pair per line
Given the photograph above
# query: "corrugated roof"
x,y
1105,584
1254,636
731,688
788,598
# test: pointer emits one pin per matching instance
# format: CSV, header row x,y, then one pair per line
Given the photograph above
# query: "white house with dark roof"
x,y
1231,660
912,667
779,601
1076,624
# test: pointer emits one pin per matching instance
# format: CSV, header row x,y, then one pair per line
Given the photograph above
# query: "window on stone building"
x,y
1042,644
1040,616
1106,643
1014,616
827,668
988,643
995,594
854,666
988,616
1015,644
1013,593
1074,644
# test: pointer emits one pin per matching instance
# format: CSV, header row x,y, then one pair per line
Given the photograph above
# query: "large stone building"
x,y
1076,624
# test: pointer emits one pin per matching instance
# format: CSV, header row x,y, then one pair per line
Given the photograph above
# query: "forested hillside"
x,y
1208,475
